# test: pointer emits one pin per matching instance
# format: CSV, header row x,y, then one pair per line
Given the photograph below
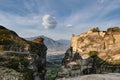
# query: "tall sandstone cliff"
x,y
106,43
21,59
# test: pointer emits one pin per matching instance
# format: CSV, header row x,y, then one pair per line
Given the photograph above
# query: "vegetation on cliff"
x,y
92,52
106,43
27,58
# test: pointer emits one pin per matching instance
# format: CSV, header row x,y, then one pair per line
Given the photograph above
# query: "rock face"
x,y
106,43
110,76
10,74
27,58
38,61
10,41
92,52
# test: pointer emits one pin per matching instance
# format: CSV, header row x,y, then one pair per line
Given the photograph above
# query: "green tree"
x,y
96,29
93,53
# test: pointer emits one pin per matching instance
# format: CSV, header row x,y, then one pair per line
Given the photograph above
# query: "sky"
x,y
58,19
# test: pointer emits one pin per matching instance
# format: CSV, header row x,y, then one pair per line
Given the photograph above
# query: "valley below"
x,y
53,64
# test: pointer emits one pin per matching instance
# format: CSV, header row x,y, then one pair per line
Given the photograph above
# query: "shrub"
x,y
93,53
1,48
95,29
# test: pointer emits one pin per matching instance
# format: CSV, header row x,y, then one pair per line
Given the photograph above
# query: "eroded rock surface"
x,y
92,52
27,58
106,43
110,76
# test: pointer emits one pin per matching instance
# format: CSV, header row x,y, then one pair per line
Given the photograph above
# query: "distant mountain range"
x,y
65,42
53,45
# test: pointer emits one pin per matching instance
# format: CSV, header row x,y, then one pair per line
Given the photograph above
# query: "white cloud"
x,y
24,26
49,22
101,1
69,25
90,15
94,14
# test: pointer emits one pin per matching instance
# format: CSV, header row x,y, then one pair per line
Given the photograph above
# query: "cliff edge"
x,y
21,59
93,52
106,43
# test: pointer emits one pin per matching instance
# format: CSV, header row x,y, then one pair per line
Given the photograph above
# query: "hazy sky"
x,y
58,19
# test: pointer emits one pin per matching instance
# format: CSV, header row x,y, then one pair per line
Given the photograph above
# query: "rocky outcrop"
x,y
38,61
22,56
92,52
14,66
10,41
109,76
106,43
